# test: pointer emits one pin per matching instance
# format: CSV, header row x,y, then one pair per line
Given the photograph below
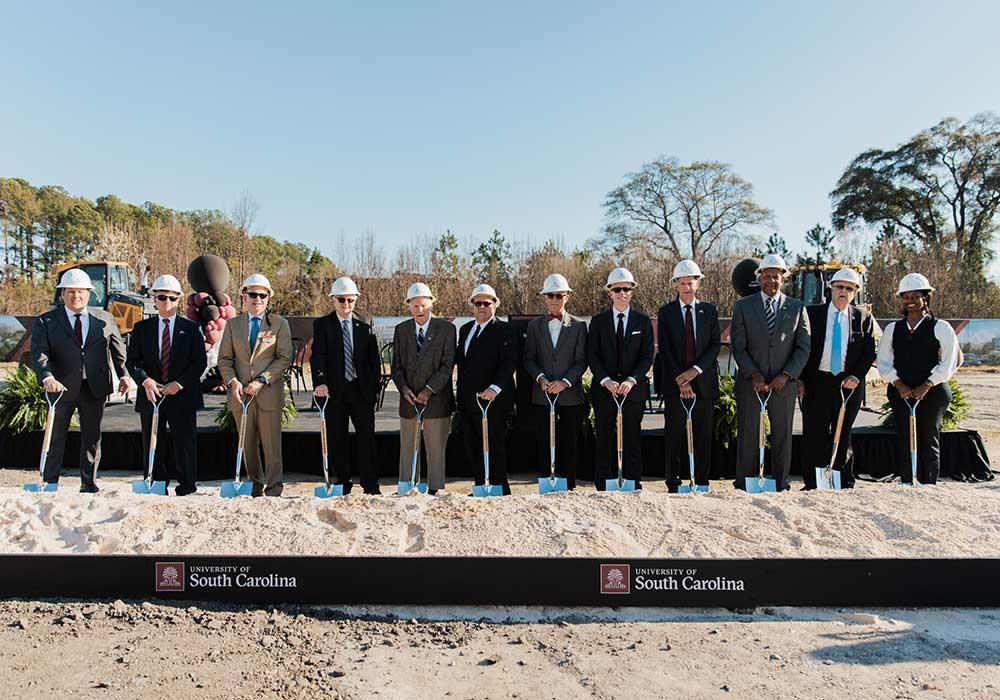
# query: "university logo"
x,y
169,576
616,578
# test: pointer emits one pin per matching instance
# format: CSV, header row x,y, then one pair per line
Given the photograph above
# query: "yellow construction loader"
x,y
114,291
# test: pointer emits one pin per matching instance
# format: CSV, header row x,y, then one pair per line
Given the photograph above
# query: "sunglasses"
x,y
621,290
166,297
481,304
258,295
555,296
346,300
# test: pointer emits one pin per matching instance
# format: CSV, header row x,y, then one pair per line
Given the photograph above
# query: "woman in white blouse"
x,y
917,356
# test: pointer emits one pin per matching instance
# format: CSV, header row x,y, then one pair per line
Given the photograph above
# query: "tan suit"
x,y
271,357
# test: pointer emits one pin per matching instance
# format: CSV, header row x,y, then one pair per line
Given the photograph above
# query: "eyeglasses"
x,y
346,300
555,296
258,295
621,290
166,297
481,304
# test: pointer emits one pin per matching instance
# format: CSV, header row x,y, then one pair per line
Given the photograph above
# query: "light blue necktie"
x,y
835,344
254,330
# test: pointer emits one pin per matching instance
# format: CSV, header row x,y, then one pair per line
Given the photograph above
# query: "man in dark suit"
x,y
166,358
555,354
842,351
347,368
769,336
620,353
423,359
486,358
688,339
71,347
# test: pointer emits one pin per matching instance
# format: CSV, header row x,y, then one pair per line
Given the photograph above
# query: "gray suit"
x,y
786,350
432,368
55,353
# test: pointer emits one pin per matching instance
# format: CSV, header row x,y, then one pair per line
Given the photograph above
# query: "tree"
x,y
445,260
821,239
491,260
941,189
678,211
775,244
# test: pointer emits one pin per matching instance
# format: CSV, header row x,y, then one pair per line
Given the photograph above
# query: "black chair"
x,y
386,354
295,370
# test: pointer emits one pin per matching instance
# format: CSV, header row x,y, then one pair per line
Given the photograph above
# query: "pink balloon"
x,y
226,300
213,336
228,312
211,326
191,312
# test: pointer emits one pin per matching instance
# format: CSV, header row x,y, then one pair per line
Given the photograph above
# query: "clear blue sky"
x,y
409,118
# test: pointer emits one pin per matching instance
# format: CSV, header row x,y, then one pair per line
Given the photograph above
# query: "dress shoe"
x,y
89,489
182,491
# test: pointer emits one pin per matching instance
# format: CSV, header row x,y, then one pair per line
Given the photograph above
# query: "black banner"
x,y
729,583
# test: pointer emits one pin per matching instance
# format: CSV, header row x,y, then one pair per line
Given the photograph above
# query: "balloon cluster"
x,y
209,305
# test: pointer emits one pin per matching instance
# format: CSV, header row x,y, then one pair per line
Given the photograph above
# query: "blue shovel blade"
x,y
483,492
626,486
142,486
823,483
229,489
47,488
328,491
755,485
548,485
698,488
406,486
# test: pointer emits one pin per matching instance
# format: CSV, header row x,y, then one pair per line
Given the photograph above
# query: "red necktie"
x,y
551,317
165,350
78,330
688,335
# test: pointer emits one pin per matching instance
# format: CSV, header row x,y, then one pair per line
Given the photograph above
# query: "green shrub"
x,y
725,410
22,402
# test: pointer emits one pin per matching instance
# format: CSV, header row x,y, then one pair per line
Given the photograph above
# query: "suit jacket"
x,y
271,356
671,335
861,349
55,352
492,359
187,363
432,368
785,350
328,356
567,360
602,353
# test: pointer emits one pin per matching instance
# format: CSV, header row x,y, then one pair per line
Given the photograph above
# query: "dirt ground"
x,y
131,649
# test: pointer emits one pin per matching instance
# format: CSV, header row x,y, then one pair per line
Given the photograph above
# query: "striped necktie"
x,y
349,374
769,314
165,350
420,340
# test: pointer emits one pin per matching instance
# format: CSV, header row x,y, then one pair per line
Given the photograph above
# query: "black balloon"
x,y
208,273
745,277
209,312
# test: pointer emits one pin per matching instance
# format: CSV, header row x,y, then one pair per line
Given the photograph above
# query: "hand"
x,y
611,385
487,395
802,390
556,386
152,389
778,383
171,389
686,376
625,387
123,385
53,385
902,388
236,389
321,392
687,392
850,383
252,388
920,392
408,395
543,382
759,384
424,397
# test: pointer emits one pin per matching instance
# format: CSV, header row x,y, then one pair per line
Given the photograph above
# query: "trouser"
x,y
263,430
675,445
605,417
91,413
820,409
435,441
930,413
567,439
184,439
780,411
472,430
352,406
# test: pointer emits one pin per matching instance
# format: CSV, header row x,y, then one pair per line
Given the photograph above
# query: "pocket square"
x,y
636,332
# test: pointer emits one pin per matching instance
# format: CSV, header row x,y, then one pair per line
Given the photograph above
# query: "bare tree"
x,y
244,218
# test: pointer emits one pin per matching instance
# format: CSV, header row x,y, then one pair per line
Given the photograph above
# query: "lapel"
x,y
430,337
95,329
152,342
241,329
630,325
700,328
561,340
264,325
63,320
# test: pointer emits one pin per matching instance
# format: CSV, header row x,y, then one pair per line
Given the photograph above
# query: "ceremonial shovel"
x,y
552,483
50,417
621,483
758,484
148,486
234,488
826,478
692,487
414,483
913,442
328,490
486,489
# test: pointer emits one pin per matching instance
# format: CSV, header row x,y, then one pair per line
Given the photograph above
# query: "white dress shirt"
x,y
468,341
614,327
694,323
555,326
84,326
426,326
947,355
845,335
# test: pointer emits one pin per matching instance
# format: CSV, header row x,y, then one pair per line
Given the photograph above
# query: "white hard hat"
x,y
686,268
772,260
619,275
484,290
75,279
166,283
914,282
418,289
256,280
555,283
343,286
846,274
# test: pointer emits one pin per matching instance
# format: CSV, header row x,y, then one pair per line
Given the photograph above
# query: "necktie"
x,y
254,330
553,317
78,330
349,374
688,336
836,341
165,350
420,340
769,314
620,344
475,336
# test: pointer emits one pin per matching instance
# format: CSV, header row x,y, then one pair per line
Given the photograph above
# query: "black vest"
x,y
915,354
